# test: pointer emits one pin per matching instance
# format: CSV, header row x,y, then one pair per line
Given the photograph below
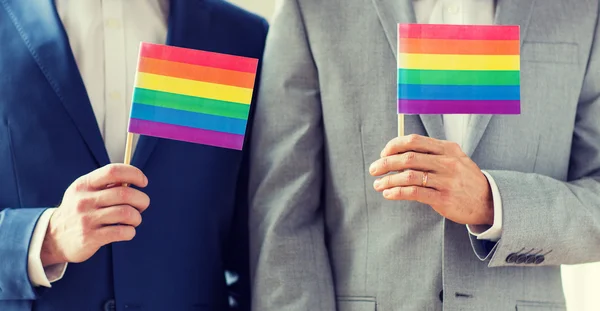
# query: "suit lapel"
x,y
391,13
188,27
40,28
508,12
394,12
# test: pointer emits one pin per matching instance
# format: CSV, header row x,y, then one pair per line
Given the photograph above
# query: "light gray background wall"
x,y
581,283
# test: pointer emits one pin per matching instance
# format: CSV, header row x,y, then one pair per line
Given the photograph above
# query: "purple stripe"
x,y
188,134
408,106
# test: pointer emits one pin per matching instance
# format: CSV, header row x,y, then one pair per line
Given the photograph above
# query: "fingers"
x,y
416,143
421,144
121,214
115,174
405,161
408,178
123,196
413,193
111,234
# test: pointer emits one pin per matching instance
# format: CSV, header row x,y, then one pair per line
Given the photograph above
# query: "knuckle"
x,y
386,181
411,177
390,144
427,194
412,192
84,203
124,212
123,193
451,164
387,147
412,138
409,158
445,196
112,170
116,233
81,184
86,222
385,163
453,147
86,236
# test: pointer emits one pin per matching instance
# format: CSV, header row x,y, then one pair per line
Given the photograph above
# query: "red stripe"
x,y
459,32
199,58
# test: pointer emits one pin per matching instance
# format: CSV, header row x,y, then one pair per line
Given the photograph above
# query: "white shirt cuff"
x,y
492,233
38,275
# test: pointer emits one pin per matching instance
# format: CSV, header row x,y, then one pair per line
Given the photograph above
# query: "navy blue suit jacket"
x,y
195,228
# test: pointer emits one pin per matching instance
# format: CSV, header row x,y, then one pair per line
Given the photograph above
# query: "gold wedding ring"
x,y
425,178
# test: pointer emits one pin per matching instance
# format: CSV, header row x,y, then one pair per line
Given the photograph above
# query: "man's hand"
x,y
96,210
436,173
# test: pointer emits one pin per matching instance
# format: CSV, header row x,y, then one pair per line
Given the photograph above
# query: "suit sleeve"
x,y
289,263
16,230
542,216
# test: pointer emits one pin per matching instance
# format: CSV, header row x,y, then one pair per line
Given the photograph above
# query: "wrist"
x,y
484,213
488,208
489,219
50,253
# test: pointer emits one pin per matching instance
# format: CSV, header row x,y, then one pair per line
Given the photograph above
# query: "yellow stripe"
x,y
459,62
194,88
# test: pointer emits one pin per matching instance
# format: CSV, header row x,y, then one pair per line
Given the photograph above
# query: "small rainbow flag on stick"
x,y
193,96
458,69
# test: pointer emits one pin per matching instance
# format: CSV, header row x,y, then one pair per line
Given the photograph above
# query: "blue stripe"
x,y
189,119
459,92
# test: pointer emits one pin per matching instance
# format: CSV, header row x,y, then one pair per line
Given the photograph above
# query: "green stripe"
x,y
458,77
191,103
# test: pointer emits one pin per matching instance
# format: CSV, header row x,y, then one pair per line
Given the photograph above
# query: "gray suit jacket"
x,y
322,239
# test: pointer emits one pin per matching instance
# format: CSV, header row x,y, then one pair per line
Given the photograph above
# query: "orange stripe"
x,y
460,47
197,73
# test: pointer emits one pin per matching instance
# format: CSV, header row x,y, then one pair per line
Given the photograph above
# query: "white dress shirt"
x,y
469,12
104,36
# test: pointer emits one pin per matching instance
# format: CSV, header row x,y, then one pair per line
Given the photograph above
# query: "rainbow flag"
x,y
458,69
194,96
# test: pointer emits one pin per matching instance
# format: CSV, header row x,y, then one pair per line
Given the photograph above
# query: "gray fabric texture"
x,y
322,239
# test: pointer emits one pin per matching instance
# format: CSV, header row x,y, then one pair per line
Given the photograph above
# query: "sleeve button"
x,y
512,258
539,259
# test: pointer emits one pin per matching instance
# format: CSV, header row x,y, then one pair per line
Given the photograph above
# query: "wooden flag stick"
x,y
400,125
128,148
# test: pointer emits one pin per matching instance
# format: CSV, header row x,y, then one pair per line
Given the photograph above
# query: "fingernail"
x,y
372,168
146,178
386,193
376,183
